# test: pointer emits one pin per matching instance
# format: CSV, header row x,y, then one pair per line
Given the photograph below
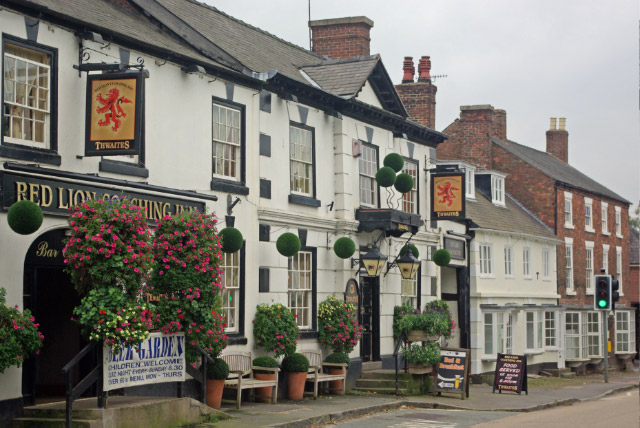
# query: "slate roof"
x,y
557,170
513,217
634,247
343,77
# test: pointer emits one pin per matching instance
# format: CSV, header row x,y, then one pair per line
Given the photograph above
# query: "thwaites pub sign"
x,y
447,196
114,114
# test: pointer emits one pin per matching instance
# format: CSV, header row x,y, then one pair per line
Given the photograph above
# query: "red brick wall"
x,y
558,144
341,40
634,283
419,99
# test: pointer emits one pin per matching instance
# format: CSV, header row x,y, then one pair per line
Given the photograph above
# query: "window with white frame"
x,y
300,288
605,257
301,160
227,140
625,332
594,341
568,257
568,210
575,337
588,214
497,190
470,185
409,291
410,199
618,222
619,267
27,82
605,223
486,262
550,329
498,333
546,268
534,331
508,261
368,163
230,279
526,262
588,279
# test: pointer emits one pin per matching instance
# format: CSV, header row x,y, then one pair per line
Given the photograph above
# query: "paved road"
x,y
620,410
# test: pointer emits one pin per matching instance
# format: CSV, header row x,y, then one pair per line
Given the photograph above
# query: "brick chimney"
x,y
470,136
419,98
558,140
341,37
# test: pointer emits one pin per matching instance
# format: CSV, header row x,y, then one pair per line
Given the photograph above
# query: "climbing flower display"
x,y
338,325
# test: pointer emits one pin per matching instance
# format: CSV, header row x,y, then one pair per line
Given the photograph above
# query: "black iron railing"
x,y
94,376
401,340
199,375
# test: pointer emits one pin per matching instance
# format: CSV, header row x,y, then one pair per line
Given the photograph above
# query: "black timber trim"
x,y
304,200
105,180
123,168
30,154
229,186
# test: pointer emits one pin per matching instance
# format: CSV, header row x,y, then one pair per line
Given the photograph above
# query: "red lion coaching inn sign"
x,y
114,114
447,193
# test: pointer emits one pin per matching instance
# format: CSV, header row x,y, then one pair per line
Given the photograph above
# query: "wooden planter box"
x,y
419,368
421,336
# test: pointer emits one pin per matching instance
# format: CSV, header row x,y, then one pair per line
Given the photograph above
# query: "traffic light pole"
x,y
605,324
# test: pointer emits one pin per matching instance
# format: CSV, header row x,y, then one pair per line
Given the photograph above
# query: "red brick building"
x,y
591,220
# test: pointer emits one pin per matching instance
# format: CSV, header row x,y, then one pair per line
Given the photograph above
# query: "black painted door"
x,y
370,343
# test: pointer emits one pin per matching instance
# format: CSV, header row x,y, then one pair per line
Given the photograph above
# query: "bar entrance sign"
x,y
511,374
453,372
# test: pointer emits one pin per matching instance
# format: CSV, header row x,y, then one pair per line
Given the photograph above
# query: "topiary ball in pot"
x,y
24,217
217,370
413,248
344,247
441,257
404,183
267,362
338,357
295,363
386,176
394,161
288,244
231,239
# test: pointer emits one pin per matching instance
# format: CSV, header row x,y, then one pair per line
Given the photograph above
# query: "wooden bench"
x,y
316,372
240,366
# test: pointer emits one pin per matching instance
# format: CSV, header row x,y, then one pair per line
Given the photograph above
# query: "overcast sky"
x,y
535,59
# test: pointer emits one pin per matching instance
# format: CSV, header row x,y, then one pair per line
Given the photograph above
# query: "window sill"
x,y
237,339
309,334
528,278
533,352
304,200
606,234
486,276
568,226
619,236
123,168
589,230
30,154
570,293
551,349
229,186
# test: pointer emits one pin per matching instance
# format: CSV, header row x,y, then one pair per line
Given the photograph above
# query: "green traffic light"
x,y
602,303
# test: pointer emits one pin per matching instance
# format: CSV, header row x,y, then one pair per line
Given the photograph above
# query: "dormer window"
x,y
497,190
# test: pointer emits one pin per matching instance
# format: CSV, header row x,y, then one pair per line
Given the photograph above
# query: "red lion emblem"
x,y
447,194
111,106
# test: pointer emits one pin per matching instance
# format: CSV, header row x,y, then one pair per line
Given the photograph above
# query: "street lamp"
x,y
408,265
373,261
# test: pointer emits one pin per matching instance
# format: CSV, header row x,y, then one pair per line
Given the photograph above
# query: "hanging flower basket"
x,y
421,336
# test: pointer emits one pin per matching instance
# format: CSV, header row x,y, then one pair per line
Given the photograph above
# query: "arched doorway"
x,y
50,296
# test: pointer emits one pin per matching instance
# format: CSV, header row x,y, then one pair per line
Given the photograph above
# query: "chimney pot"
x,y
562,124
409,69
424,69
552,123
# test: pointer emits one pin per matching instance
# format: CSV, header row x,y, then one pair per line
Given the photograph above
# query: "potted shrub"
x,y
421,359
217,373
264,394
296,365
335,386
19,335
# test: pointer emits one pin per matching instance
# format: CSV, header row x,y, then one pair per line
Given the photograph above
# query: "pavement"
x,y
329,409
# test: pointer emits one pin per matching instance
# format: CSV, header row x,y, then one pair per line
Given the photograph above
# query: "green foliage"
x,y
436,320
295,363
394,161
24,217
441,257
344,247
108,315
231,239
268,362
338,325
417,354
275,329
19,335
437,305
398,313
386,176
337,358
413,248
404,183
218,370
186,283
288,244
109,246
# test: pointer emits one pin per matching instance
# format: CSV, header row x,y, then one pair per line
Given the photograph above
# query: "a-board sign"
x,y
159,359
511,374
453,371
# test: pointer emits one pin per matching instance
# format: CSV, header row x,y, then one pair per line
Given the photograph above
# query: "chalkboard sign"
x,y
511,374
453,371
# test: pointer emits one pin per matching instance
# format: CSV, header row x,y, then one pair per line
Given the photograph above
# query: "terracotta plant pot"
x,y
214,392
295,382
266,391
335,386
